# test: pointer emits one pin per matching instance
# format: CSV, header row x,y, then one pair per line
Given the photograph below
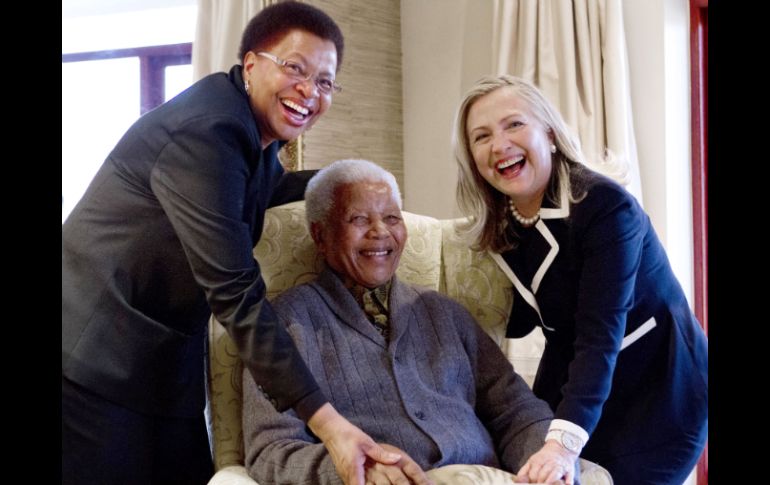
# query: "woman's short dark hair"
x,y
275,21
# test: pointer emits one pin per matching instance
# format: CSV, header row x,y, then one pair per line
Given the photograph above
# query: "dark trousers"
x,y
669,464
103,442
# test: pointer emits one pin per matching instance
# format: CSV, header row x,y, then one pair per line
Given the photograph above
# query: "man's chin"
x,y
375,282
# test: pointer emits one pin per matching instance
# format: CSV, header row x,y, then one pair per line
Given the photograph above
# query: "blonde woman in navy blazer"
x,y
163,237
625,361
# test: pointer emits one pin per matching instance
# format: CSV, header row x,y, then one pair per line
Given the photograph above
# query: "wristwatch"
x,y
568,440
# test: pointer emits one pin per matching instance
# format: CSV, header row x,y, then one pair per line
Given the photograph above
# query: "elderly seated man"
x,y
408,365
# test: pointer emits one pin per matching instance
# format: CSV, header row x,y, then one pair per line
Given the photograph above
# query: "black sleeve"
x,y
291,187
200,180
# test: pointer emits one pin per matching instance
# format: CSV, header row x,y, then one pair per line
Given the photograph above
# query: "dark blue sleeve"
x,y
608,231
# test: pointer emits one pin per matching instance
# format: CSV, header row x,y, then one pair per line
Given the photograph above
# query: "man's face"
x,y
283,106
364,235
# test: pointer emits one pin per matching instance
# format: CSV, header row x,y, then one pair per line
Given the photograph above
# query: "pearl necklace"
x,y
524,221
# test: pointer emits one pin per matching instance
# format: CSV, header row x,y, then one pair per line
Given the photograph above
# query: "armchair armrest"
x,y
232,475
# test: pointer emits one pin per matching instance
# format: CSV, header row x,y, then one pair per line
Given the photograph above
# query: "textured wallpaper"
x,y
365,120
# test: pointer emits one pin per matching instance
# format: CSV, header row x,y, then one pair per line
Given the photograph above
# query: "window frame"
x,y
153,61
699,164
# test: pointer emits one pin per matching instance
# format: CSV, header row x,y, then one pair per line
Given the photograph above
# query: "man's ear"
x,y
316,232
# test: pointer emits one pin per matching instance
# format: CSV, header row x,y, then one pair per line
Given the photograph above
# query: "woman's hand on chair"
x,y
551,463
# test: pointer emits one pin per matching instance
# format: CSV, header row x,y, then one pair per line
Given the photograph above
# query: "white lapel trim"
x,y
523,290
561,212
540,226
638,333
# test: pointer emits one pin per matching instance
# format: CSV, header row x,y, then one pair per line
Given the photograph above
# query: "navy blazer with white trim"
x,y
625,357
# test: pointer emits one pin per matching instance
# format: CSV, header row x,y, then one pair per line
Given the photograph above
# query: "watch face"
x,y
570,441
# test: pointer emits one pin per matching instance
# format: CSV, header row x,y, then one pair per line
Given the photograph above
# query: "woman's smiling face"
x,y
510,147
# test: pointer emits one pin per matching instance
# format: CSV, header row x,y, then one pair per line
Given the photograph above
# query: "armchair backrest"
x,y
433,257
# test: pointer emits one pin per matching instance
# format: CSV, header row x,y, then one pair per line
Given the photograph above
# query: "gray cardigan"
x,y
440,389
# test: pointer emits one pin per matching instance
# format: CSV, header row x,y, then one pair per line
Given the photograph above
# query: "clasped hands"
x,y
357,458
403,472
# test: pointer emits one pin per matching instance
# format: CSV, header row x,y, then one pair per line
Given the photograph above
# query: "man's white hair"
x,y
319,194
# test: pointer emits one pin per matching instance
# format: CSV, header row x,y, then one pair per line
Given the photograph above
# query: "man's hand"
x,y
550,464
404,472
349,448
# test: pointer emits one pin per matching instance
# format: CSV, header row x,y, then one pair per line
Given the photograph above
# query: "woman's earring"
x,y
553,147
246,85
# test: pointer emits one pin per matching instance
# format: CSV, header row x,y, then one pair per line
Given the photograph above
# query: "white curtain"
x,y
218,33
575,52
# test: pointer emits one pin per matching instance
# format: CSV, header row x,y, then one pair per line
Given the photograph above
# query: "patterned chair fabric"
x,y
434,257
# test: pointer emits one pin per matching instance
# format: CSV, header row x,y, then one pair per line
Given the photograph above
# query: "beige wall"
x,y
657,32
446,46
365,118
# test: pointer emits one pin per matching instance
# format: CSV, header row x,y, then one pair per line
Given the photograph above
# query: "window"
x,y
116,66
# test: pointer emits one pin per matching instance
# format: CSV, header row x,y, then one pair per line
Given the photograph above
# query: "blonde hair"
x,y
488,226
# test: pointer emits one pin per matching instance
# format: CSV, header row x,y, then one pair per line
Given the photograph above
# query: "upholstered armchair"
x,y
433,257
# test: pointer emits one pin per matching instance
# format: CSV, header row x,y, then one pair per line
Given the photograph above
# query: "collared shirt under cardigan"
x,y
595,277
440,389
163,237
374,303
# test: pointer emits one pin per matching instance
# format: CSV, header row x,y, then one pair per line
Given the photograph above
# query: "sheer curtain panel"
x,y
575,51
